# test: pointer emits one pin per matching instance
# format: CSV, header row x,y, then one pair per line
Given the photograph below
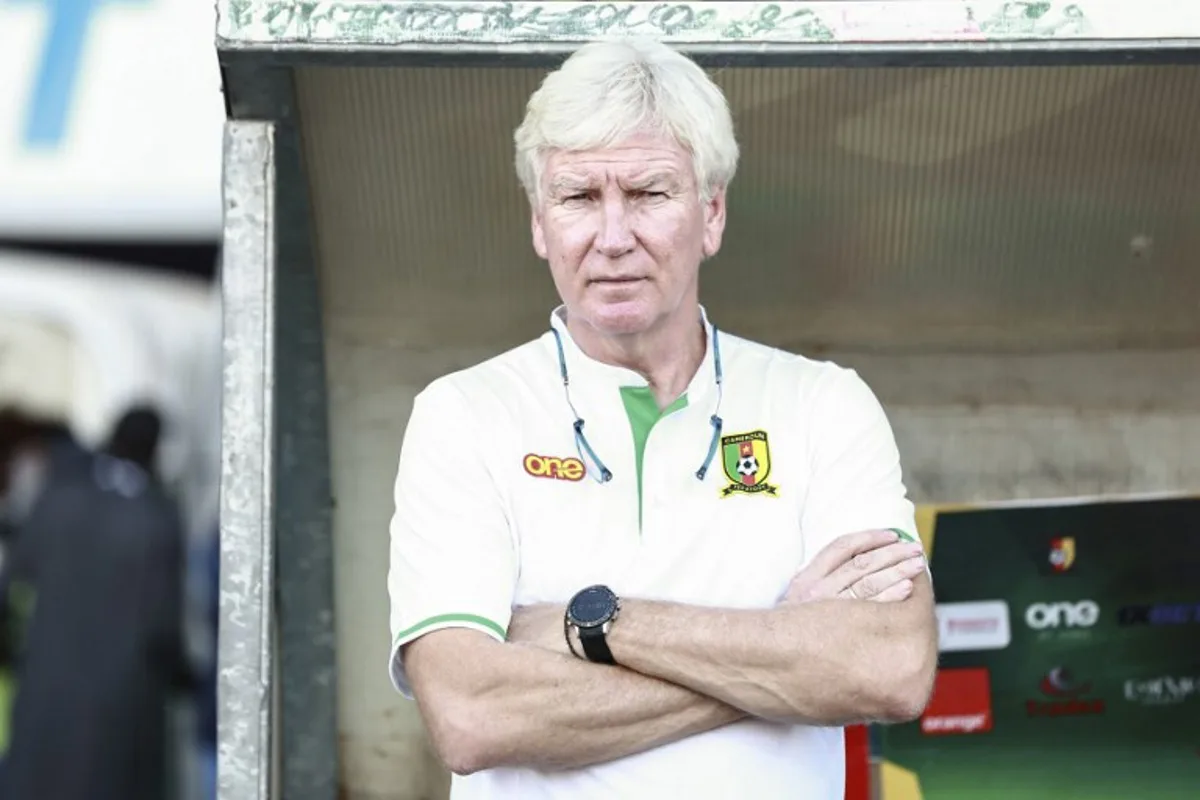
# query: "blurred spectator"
x,y
91,593
135,438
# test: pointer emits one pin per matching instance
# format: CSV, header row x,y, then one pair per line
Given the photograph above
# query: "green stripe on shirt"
x,y
641,406
474,619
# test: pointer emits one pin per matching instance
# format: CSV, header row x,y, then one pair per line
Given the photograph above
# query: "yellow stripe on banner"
x,y
898,783
7,690
927,521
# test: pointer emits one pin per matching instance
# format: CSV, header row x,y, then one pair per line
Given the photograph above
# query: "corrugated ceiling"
x,y
923,209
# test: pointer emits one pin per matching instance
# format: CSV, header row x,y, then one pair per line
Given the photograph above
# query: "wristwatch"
x,y
591,613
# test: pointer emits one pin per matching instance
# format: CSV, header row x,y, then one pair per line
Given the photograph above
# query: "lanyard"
x,y
603,474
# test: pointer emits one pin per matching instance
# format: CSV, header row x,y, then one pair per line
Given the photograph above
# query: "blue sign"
x,y
57,72
1160,614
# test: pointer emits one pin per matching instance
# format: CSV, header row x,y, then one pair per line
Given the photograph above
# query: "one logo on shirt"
x,y
1062,553
747,461
563,469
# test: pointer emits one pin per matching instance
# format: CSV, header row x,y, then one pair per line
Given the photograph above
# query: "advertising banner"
x,y
1070,656
110,120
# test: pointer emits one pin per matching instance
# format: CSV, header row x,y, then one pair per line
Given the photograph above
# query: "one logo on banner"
x,y
1063,619
1064,695
1160,614
747,462
1164,690
1062,553
961,703
982,625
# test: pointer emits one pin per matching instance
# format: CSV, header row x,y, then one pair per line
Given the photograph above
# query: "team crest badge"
x,y
1062,553
747,461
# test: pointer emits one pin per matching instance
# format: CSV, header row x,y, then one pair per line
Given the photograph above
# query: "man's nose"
x,y
615,237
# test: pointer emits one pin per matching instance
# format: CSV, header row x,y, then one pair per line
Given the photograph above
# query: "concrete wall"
x,y
971,428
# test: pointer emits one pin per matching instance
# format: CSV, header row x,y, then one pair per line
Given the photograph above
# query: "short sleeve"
x,y
855,480
452,559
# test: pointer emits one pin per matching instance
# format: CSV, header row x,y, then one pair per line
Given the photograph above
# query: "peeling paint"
x,y
381,22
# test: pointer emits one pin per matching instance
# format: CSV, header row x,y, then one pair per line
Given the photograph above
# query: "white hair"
x,y
609,91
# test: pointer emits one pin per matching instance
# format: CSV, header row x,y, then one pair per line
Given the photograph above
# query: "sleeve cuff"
x,y
429,625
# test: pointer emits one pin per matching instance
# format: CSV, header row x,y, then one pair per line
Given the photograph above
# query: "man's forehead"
x,y
631,159
575,176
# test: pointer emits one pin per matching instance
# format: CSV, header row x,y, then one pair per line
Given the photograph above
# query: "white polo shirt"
x,y
496,508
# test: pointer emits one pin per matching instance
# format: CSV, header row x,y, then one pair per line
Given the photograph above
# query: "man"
x,y
638,557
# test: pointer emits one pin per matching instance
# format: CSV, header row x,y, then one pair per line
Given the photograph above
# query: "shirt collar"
x,y
587,372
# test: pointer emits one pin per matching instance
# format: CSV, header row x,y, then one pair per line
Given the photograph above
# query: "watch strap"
x,y
595,646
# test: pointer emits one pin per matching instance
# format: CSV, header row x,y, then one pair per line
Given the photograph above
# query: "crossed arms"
x,y
853,639
820,657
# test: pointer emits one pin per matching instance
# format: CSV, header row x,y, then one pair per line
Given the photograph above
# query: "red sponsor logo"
x,y
1065,697
961,703
563,469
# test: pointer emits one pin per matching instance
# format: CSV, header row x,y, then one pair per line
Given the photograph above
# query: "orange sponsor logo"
x,y
563,469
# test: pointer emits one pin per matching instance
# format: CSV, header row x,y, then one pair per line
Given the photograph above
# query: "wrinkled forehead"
x,y
637,162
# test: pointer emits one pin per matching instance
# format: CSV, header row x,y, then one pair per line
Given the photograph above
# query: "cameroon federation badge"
x,y
747,461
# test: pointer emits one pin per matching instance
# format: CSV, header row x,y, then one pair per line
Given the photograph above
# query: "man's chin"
x,y
617,321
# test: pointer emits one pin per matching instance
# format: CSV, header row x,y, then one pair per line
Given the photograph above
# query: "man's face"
x,y
624,230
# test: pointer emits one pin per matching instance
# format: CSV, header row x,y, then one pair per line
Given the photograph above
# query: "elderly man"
x,y
656,560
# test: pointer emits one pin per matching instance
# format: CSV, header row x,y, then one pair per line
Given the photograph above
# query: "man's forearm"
x,y
831,662
534,708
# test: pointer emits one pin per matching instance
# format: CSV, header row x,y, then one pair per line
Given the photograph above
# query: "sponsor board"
x,y
981,625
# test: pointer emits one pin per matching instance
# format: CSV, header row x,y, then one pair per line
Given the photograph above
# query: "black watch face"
x,y
593,606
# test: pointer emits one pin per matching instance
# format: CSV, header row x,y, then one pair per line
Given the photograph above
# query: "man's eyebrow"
x,y
568,184
654,178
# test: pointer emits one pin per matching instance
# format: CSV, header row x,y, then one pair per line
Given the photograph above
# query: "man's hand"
x,y
539,625
869,565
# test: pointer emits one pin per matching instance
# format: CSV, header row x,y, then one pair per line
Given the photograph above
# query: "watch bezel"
x,y
608,614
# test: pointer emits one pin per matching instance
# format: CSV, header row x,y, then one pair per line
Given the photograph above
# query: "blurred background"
x,y
110,210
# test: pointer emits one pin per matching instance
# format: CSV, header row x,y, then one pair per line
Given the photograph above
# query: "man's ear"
x,y
539,235
714,222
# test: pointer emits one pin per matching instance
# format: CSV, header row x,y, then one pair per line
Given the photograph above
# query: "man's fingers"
x,y
842,566
894,593
844,548
877,560
880,581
